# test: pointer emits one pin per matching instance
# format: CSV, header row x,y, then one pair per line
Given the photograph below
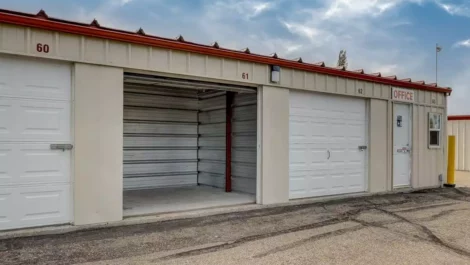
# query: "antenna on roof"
x,y
438,49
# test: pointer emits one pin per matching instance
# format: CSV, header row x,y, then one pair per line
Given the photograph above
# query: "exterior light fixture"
x,y
275,73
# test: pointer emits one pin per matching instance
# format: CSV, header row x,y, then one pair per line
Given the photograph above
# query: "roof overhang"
x,y
42,21
458,117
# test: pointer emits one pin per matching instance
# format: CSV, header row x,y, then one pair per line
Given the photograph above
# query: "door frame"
x,y
410,107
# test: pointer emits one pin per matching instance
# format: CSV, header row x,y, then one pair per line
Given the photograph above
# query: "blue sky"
x,y
388,36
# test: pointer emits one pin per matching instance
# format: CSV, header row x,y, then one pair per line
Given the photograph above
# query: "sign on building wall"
x,y
401,94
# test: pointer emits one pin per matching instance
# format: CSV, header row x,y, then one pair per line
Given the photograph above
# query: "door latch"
x,y
362,147
62,147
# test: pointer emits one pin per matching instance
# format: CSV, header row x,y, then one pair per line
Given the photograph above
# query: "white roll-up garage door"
x,y
35,110
325,135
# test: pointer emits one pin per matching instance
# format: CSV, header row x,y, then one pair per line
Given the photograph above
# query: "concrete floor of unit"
x,y
462,178
163,200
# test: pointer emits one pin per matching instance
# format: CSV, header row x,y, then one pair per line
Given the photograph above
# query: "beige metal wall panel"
x,y
159,59
211,141
274,171
160,137
461,130
460,148
139,56
64,46
466,144
69,46
429,98
455,130
229,69
378,149
14,38
98,151
95,50
428,163
244,142
117,52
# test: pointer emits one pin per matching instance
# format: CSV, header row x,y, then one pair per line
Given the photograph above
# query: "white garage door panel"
x,y
29,78
33,163
325,133
34,206
34,120
35,112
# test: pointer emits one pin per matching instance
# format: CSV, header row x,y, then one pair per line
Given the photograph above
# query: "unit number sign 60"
x,y
42,48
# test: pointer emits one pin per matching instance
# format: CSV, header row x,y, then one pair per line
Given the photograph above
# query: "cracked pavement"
x,y
426,227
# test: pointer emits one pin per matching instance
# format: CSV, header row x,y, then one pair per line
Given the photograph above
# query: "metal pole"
x,y
437,46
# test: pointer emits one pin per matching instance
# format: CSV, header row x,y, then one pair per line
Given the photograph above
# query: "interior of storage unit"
x,y
175,145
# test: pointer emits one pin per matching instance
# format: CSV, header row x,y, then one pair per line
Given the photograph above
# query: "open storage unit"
x,y
179,136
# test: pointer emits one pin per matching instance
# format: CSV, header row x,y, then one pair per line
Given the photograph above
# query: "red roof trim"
x,y
30,20
458,118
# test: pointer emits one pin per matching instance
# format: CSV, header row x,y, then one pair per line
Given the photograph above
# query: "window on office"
x,y
435,125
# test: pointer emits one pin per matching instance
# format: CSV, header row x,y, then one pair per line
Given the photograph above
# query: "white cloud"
x,y
105,14
303,30
260,8
463,43
352,8
124,2
293,48
245,8
458,101
453,9
345,9
387,69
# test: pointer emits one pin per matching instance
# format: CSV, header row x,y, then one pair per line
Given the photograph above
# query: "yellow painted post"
x,y
450,162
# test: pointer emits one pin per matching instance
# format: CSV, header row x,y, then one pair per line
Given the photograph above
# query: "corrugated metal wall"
x,y
244,125
175,137
428,163
160,137
211,142
461,130
64,46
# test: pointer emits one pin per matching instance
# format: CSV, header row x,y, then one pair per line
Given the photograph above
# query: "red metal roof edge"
x,y
41,20
458,117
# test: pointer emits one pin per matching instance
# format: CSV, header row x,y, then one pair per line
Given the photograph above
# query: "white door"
x,y
402,145
35,104
325,136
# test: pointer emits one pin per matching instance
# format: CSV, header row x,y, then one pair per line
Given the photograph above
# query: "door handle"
x,y
329,154
62,147
362,147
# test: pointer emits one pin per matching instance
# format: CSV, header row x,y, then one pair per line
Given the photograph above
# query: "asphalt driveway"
x,y
428,227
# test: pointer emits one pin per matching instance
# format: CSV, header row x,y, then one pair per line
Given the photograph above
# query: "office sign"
x,y
405,95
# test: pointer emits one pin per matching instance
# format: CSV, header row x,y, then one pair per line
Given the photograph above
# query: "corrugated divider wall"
x,y
244,126
211,142
160,137
461,130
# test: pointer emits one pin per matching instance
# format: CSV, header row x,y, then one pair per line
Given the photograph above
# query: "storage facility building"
x,y
97,124
459,126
